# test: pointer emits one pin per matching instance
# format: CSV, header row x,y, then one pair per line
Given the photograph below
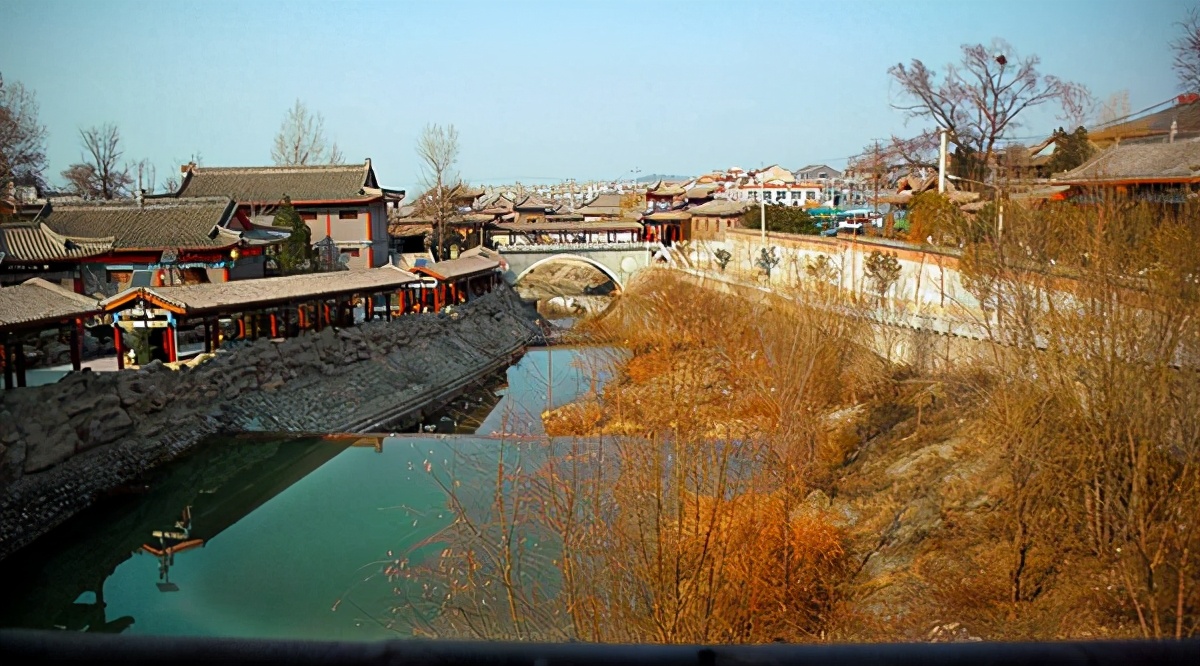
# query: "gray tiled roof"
x,y
158,225
531,202
607,204
1186,117
229,296
37,301
1179,161
31,243
268,185
720,207
457,268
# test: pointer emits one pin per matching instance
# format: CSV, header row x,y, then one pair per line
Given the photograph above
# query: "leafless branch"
x,y
437,148
1187,52
301,140
980,99
100,173
22,138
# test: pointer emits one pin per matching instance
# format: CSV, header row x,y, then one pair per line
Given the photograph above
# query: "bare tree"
x,y
147,176
437,148
301,140
22,138
1114,108
979,100
1187,52
100,174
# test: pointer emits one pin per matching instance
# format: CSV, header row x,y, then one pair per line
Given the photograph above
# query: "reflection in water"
x,y
262,538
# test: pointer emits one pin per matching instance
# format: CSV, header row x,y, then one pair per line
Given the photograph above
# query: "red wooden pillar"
x,y
274,327
117,345
19,358
6,358
172,343
77,344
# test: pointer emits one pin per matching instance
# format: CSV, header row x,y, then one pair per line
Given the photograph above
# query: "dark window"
x,y
308,216
347,215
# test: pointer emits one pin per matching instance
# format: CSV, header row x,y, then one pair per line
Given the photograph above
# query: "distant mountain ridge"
x,y
655,177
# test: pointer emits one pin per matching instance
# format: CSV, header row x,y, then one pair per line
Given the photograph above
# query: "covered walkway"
x,y
285,306
34,306
454,281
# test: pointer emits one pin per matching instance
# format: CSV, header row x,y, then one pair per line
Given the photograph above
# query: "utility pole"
x,y
942,163
762,203
875,170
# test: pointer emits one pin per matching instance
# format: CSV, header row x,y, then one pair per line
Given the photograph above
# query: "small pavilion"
x,y
35,306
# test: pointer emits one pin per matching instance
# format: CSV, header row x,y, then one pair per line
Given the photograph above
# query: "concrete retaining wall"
x,y
64,443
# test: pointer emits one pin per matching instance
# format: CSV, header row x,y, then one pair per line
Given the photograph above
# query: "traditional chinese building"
x,y
666,226
344,202
156,242
532,209
664,196
30,308
606,206
31,249
1180,121
710,221
1157,172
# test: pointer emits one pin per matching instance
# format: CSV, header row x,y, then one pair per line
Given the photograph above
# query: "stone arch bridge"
x,y
618,261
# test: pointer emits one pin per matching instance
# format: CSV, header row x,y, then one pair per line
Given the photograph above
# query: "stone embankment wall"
x,y
63,444
921,348
929,281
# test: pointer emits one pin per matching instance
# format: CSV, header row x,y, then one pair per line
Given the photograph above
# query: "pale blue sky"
x,y
541,90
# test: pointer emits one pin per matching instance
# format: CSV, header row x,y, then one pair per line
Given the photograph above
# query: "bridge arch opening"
x,y
572,259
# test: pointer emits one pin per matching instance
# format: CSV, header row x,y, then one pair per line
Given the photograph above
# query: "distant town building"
x,y
776,192
818,173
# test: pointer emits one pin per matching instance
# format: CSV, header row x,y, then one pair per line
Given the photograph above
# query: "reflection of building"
x,y
221,483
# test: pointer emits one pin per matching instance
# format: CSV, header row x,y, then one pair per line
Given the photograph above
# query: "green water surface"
x,y
294,532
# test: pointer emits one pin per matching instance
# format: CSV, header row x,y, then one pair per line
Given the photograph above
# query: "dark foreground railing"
x,y
19,647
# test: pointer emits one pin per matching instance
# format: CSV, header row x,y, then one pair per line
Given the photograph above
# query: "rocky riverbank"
x,y
63,444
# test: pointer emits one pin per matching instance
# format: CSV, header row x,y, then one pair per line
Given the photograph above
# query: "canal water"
x,y
278,538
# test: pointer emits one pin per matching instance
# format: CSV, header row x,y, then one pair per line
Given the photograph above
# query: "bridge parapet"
x,y
578,247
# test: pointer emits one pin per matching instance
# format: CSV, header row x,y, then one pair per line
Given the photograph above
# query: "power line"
x,y
1126,117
